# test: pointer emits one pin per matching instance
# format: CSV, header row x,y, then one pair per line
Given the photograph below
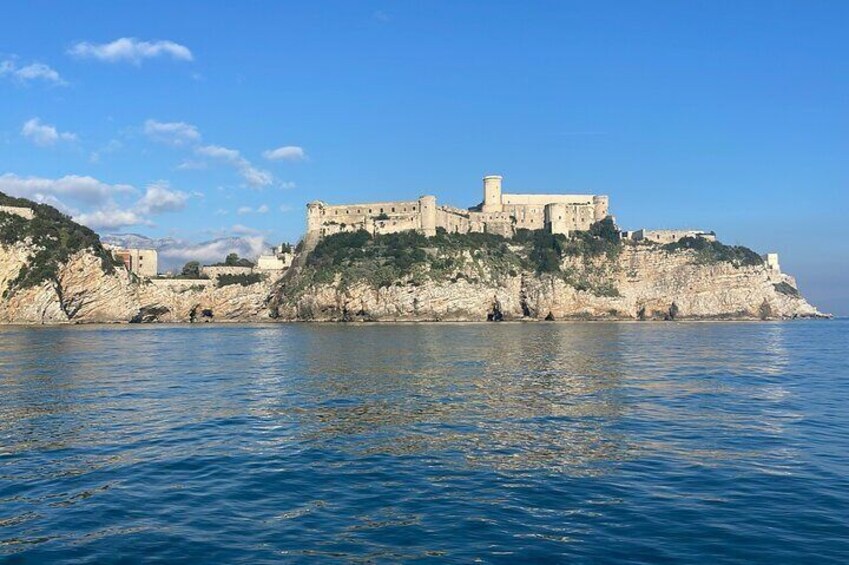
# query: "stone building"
x,y
500,213
771,261
141,262
22,211
276,262
668,236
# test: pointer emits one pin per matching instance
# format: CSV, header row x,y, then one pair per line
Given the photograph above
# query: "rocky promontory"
x,y
53,270
533,276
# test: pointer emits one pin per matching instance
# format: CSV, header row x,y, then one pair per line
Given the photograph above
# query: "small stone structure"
x,y
182,285
271,265
212,272
499,213
141,262
668,236
277,262
771,260
22,211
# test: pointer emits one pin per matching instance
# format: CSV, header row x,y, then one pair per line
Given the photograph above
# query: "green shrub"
x,y
606,230
409,257
785,288
191,270
244,280
714,251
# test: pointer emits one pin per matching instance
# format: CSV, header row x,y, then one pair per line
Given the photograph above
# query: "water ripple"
x,y
593,443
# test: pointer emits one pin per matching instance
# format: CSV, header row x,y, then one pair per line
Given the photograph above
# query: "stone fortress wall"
x,y
271,265
498,213
668,236
22,211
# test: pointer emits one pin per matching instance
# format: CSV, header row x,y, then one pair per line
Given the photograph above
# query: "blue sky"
x,y
217,118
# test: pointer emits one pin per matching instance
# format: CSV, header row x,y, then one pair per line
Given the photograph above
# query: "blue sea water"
x,y
502,443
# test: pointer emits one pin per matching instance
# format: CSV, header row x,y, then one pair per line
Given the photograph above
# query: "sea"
x,y
555,442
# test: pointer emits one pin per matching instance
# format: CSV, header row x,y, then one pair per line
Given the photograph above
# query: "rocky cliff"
x,y
57,272
83,293
493,279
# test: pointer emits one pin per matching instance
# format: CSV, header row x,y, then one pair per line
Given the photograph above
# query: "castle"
x,y
499,213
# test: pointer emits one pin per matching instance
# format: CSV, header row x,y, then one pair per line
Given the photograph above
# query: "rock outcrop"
x,y
53,270
84,293
645,282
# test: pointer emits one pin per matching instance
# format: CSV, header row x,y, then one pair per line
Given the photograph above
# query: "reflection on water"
x,y
407,441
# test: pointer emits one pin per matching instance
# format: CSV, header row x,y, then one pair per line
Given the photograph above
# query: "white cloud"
x,y
211,251
261,209
29,73
286,208
256,177
97,199
218,152
253,176
287,185
130,49
286,153
83,188
159,198
172,133
111,218
44,134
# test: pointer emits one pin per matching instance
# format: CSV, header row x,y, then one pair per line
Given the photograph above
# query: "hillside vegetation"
x,y
411,258
54,238
714,251
584,260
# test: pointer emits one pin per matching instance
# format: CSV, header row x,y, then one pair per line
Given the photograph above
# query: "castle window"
x,y
393,209
381,210
369,210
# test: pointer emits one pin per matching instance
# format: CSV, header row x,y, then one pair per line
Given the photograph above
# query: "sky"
x,y
199,120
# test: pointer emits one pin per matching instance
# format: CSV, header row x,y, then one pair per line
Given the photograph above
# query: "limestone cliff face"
x,y
83,293
233,303
644,282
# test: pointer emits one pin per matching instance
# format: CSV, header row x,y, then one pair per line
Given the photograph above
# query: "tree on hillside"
x,y
233,260
191,270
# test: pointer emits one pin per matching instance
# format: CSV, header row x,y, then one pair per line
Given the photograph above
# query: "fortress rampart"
x,y
498,213
22,211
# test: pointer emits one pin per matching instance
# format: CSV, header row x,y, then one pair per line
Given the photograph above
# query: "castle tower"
x,y
555,216
771,260
492,194
427,215
600,207
314,210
